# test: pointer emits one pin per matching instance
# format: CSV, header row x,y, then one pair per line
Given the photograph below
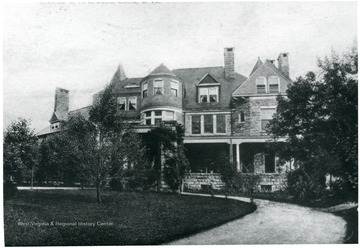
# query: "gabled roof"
x,y
59,116
257,65
160,70
208,80
191,77
266,69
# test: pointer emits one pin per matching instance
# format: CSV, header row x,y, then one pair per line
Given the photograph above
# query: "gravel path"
x,y
274,223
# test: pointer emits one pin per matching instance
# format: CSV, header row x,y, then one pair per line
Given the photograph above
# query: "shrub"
x,y
116,184
10,189
303,186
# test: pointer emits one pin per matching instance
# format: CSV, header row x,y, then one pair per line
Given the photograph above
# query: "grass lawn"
x,y
133,218
351,218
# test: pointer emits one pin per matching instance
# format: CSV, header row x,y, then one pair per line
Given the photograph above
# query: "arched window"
x,y
242,117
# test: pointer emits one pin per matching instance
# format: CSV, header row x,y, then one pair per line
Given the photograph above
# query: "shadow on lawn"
x,y
137,218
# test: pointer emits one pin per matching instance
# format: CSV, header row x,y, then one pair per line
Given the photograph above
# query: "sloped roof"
x,y
208,80
84,112
47,130
266,69
160,70
191,77
257,65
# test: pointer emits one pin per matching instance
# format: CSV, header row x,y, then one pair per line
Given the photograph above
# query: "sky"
x,y
78,46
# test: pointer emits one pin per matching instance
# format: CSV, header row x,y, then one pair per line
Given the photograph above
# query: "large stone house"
x,y
224,113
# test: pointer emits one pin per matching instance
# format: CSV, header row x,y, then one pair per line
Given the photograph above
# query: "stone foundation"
x,y
269,182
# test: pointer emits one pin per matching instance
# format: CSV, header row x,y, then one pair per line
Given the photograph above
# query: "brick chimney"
x,y
61,108
283,63
229,63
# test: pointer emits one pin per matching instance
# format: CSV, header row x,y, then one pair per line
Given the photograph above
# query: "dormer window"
x,y
208,94
144,90
158,87
261,85
122,103
174,88
274,84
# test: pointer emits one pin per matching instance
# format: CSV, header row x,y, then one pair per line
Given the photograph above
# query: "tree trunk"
x,y
98,193
32,178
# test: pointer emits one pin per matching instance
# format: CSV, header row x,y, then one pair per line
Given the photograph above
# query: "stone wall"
x,y
252,108
272,181
194,181
198,181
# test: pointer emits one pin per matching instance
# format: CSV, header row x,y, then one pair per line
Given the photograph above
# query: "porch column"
x,y
238,168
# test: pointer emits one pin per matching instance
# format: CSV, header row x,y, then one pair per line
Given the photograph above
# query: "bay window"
x,y
158,87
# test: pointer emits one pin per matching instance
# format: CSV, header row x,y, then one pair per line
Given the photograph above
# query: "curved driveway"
x,y
274,223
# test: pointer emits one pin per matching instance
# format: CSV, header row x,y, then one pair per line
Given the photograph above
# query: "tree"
x,y
319,118
166,151
20,151
102,145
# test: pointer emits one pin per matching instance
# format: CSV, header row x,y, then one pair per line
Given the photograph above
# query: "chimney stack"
x,y
61,108
229,63
283,63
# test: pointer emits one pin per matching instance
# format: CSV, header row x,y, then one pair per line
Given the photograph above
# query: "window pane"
x,y
195,124
264,124
260,89
148,121
220,123
267,113
157,121
208,124
242,117
174,92
145,86
273,80
213,98
168,115
132,103
148,114
158,87
158,112
261,80
213,92
144,93
174,85
203,98
273,88
121,102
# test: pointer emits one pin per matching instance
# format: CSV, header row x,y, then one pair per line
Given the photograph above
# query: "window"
x,y
274,84
266,116
122,103
144,90
269,163
261,85
195,124
210,94
220,124
133,103
174,88
157,116
242,117
208,124
158,87
168,115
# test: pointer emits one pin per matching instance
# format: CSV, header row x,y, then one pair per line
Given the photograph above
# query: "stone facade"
x,y
200,181
197,181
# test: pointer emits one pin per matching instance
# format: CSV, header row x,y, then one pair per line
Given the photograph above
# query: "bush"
x,y
10,189
303,186
116,184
